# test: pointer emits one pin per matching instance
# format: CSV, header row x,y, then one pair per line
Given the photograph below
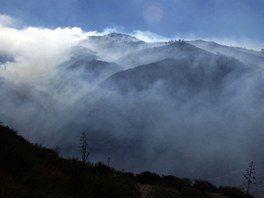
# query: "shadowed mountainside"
x,y
194,74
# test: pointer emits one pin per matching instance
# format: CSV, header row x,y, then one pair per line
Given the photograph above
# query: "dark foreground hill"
x,y
28,170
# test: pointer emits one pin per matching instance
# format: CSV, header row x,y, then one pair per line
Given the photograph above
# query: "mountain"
x,y
113,46
28,170
91,67
251,57
190,72
176,50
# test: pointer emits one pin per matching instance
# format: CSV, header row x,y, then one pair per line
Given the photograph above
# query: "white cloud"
x,y
149,37
6,21
37,51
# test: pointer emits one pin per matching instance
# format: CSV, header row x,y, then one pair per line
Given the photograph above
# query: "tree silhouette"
x,y
249,177
85,149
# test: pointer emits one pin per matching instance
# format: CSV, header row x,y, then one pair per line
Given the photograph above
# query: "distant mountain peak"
x,y
117,37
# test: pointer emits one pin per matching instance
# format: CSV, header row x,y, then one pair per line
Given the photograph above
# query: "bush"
x,y
233,192
204,186
148,178
175,182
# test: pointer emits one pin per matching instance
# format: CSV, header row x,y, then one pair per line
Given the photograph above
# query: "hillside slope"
x,y
207,74
28,170
251,57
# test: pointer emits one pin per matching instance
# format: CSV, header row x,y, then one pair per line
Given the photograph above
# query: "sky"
x,y
214,19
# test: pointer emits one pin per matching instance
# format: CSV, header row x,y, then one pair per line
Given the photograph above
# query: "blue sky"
x,y
200,18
